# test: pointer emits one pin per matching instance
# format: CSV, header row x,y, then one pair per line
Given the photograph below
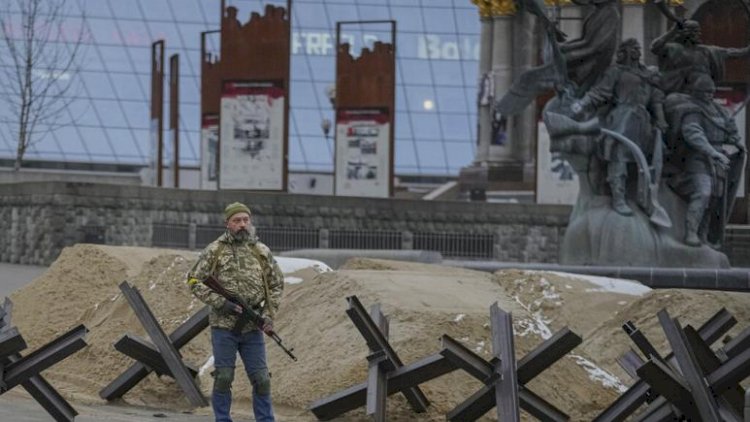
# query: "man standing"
x,y
629,95
683,59
245,267
703,129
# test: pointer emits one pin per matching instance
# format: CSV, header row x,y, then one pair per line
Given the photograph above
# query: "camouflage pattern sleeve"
x,y
275,287
275,279
199,272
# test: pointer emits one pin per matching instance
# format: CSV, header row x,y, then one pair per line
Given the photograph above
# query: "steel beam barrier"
x,y
398,380
138,371
166,348
45,357
145,352
377,341
707,406
503,347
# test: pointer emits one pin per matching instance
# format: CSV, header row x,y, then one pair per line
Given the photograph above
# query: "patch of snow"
x,y
612,285
536,325
292,280
622,302
480,347
290,265
459,317
568,286
599,375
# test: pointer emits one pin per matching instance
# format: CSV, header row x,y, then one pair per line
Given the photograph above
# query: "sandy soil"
x,y
422,301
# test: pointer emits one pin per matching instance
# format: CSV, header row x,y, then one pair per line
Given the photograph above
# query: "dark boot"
x,y
617,186
692,223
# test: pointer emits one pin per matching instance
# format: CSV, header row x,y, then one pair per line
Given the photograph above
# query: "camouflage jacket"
x,y
246,269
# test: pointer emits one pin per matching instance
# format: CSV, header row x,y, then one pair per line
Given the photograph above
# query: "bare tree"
x,y
39,64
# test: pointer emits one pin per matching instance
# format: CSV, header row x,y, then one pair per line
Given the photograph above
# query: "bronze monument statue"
x,y
659,161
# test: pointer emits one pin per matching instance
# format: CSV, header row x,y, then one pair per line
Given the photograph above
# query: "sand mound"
x,y
608,341
423,302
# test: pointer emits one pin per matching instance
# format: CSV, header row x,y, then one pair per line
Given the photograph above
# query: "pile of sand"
x,y
422,301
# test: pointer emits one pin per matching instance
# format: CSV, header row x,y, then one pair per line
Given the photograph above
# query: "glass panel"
x,y
137,113
468,20
121,9
110,113
317,150
371,12
426,126
96,142
414,71
455,126
310,15
448,73
124,146
303,94
439,20
295,152
186,10
79,112
97,85
101,31
128,87
419,98
94,8
308,121
404,154
409,19
70,140
459,155
156,10
451,99
403,126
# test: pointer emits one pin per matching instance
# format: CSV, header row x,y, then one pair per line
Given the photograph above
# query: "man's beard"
x,y
244,234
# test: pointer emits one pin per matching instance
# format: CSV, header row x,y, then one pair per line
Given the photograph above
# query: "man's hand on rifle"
x,y
231,308
267,326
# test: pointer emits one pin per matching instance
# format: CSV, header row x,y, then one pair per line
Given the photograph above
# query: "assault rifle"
x,y
248,314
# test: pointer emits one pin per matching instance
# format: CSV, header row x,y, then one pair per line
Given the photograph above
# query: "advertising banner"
x,y
252,135
363,151
209,151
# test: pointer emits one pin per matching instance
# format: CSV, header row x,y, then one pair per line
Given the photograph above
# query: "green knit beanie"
x,y
234,208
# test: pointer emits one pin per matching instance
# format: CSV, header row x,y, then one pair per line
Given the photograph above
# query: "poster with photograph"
x,y
209,151
363,150
556,181
252,135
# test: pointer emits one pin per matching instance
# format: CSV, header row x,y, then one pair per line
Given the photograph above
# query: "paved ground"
x,y
17,406
13,276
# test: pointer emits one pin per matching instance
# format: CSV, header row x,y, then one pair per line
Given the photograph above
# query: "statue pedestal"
x,y
597,235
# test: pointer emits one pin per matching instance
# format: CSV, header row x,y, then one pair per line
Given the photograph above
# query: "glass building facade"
x,y
109,106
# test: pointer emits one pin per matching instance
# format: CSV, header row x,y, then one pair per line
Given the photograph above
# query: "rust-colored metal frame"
x,y
367,95
157,103
245,57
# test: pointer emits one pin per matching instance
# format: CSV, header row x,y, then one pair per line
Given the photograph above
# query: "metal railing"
x,y
463,245
451,245
364,239
168,235
737,245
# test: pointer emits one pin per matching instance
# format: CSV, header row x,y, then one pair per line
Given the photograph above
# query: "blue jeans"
x,y
252,350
